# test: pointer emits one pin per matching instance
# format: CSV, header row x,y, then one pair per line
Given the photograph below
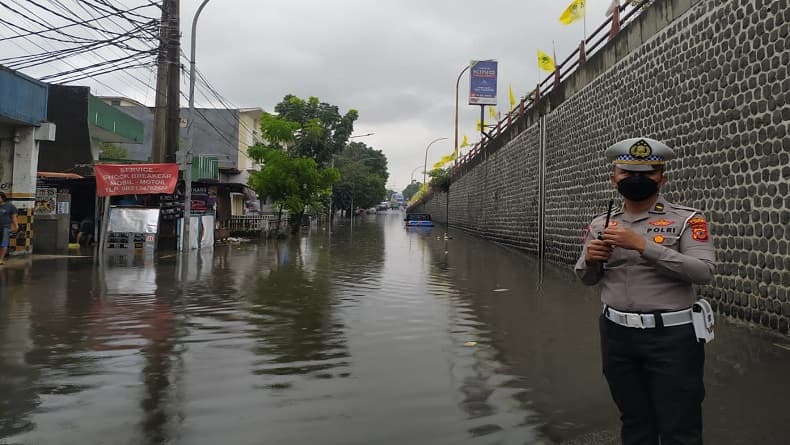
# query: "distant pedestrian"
x,y
85,234
8,224
647,259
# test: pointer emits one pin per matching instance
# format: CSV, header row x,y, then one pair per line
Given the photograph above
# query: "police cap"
x,y
639,154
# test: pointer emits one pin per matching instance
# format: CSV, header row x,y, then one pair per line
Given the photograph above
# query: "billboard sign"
x,y
135,179
482,82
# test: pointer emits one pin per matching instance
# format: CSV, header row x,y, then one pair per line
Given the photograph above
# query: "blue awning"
x,y
23,100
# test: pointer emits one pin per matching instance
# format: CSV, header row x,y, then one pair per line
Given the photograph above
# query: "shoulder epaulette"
x,y
615,211
690,209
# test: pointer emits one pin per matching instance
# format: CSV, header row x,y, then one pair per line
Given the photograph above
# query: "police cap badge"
x,y
639,154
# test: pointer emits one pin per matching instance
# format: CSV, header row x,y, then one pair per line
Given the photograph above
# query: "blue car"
x,y
418,220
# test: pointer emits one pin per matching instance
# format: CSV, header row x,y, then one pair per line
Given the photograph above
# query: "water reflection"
x,y
538,344
292,309
383,335
18,399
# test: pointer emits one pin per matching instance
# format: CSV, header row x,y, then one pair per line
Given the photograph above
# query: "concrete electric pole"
x,y
160,107
174,84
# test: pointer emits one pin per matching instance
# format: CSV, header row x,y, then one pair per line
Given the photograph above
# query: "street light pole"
x,y
412,173
457,82
187,158
425,166
192,55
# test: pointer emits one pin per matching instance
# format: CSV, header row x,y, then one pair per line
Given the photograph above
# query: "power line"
x,y
65,62
225,103
121,41
111,18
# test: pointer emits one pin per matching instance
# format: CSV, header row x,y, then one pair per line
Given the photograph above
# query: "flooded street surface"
x,y
375,336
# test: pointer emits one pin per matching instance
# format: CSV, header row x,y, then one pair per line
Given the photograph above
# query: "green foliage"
x,y
112,151
410,190
440,179
277,134
364,175
292,183
320,130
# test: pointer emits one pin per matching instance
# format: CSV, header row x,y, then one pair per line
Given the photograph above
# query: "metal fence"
x,y
252,223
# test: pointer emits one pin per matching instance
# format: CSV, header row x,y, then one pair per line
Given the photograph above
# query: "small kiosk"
x,y
127,229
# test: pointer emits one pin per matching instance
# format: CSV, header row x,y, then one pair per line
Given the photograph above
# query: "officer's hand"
x,y
619,236
597,250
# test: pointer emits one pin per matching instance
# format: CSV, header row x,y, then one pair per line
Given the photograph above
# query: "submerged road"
x,y
375,335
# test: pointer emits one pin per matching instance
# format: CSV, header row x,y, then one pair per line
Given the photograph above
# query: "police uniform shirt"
x,y
679,252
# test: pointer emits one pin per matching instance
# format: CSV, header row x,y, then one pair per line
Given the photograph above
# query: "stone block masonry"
x,y
708,77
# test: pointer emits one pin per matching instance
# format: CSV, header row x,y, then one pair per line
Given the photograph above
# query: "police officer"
x,y
647,260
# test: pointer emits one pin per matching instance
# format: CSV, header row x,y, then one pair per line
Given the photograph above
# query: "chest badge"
x,y
661,223
658,239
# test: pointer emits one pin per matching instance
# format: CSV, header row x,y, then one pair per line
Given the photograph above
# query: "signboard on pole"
x,y
135,179
482,82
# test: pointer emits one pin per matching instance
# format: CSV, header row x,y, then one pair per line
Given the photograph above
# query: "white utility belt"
x,y
646,321
700,314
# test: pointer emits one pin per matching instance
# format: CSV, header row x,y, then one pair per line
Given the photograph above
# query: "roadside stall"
x,y
128,225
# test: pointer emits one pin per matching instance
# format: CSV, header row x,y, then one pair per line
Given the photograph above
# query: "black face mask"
x,y
637,187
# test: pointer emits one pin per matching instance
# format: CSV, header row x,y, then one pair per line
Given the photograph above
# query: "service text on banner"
x,y
135,179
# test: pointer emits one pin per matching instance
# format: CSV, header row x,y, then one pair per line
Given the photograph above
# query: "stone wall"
x,y
708,77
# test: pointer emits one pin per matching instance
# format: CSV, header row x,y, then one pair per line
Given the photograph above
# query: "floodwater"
x,y
375,335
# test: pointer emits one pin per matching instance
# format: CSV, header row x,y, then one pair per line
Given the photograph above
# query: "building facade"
x,y
23,126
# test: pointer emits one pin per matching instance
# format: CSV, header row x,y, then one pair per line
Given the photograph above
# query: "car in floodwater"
x,y
418,220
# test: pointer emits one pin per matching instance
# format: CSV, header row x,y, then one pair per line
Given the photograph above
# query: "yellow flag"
x,y
574,11
492,112
465,142
479,126
511,96
445,159
545,62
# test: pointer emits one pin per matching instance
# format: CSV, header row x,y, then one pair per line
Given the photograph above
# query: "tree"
x,y
411,189
293,183
112,151
364,174
440,180
317,129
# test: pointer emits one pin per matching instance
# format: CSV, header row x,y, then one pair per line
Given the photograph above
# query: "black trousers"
x,y
655,377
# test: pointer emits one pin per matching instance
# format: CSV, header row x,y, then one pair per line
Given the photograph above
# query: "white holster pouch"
x,y
702,319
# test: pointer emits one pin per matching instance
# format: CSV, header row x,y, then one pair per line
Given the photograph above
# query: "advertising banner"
x,y
46,201
135,179
482,82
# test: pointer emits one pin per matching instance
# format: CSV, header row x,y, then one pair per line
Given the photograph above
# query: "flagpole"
x,y
585,20
557,73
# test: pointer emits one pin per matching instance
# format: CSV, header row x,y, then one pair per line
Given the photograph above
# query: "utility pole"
x,y
174,84
160,108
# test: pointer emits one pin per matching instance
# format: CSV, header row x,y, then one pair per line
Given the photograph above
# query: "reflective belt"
x,y
646,321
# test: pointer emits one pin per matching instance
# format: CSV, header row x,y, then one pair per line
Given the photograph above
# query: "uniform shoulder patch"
x,y
699,228
697,220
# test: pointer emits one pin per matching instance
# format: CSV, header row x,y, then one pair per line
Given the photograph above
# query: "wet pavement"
x,y
377,335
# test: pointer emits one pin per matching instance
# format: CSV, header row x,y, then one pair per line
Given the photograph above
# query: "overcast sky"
x,y
394,61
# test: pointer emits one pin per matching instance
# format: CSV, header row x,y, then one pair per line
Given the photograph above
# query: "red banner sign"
x,y
135,179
